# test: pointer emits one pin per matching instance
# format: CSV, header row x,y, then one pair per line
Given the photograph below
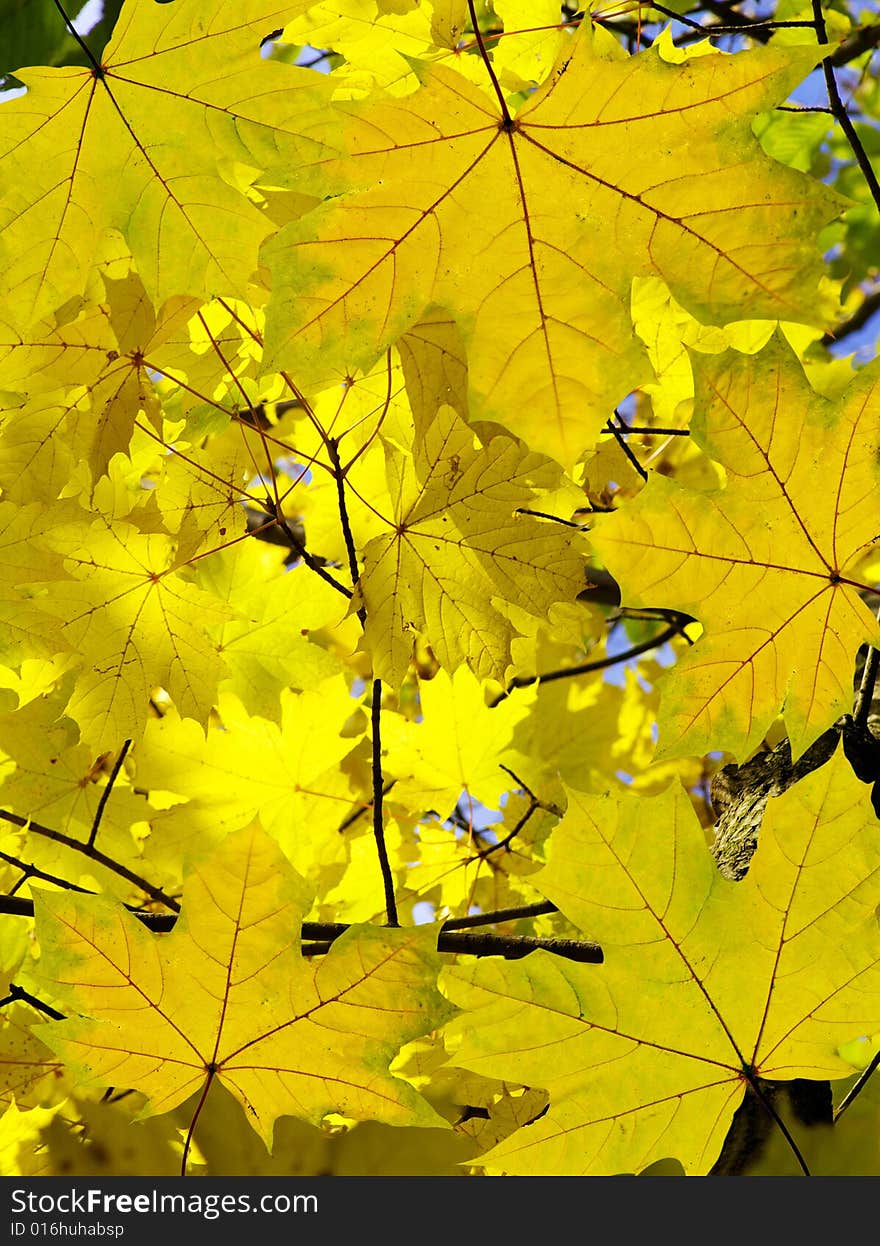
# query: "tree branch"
x,y
319,937
839,109
93,854
18,993
496,916
376,706
862,39
865,694
378,812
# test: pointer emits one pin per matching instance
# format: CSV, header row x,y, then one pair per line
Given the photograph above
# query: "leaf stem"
x,y
196,1114
768,1107
96,65
505,112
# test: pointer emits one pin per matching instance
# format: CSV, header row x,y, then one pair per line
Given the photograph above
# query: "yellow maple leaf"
x,y
135,625
458,549
530,229
455,751
266,645
290,775
227,996
179,139
770,564
708,986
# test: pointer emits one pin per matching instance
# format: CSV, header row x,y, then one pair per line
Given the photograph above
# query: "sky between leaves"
x,y
311,390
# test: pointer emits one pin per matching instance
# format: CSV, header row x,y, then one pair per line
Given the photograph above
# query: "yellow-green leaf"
x,y
613,169
769,564
707,984
179,119
227,996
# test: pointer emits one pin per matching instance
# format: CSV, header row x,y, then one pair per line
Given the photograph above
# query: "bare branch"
x,y
105,795
94,854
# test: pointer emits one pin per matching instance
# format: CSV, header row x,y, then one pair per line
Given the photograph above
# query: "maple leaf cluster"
x,y
356,593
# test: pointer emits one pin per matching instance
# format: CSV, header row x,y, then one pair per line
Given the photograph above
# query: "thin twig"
x,y
348,536
376,707
105,795
727,13
567,523
31,871
839,109
860,317
626,429
523,786
496,916
266,531
549,677
619,437
18,993
94,854
311,561
865,694
378,812
534,806
856,1089
362,811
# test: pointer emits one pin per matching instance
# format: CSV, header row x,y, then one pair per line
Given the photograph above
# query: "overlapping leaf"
x,y
180,119
530,230
770,565
706,985
525,271
456,750
290,775
227,996
460,550
135,624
